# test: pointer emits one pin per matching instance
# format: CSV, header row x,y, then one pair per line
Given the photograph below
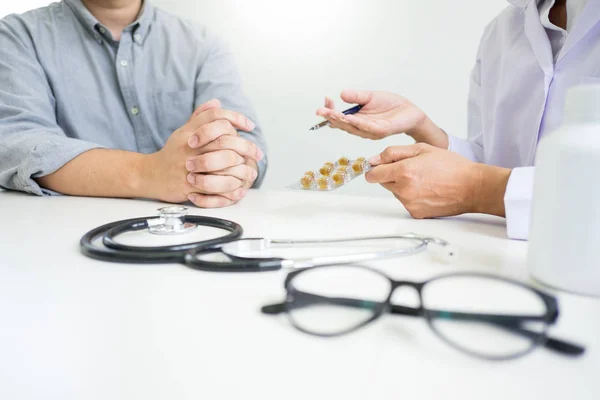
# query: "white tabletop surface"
x,y
76,328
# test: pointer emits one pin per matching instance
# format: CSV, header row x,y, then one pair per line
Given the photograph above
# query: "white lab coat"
x,y
518,92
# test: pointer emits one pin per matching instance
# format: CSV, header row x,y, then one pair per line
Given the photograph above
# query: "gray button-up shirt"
x,y
67,87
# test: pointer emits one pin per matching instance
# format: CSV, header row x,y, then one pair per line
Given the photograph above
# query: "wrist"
x,y
428,132
141,176
490,189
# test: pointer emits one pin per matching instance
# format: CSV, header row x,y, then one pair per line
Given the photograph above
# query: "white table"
x,y
76,328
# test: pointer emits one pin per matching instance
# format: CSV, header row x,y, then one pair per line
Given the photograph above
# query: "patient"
x,y
116,98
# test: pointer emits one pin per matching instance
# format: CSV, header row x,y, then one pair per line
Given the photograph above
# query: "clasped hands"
x,y
206,161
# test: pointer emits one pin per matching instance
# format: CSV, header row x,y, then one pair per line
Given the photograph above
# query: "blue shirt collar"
x,y
140,27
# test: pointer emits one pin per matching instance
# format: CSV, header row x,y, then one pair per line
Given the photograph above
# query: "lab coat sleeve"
x,y
32,144
219,79
517,202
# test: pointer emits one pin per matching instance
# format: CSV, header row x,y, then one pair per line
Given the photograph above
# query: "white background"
x,y
293,53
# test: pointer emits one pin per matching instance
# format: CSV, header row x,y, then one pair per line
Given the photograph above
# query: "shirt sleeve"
x,y
219,79
32,144
517,202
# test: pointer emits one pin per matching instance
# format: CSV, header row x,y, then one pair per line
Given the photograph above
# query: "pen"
x,y
349,111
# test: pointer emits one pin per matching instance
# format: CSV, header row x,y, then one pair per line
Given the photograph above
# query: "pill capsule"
x,y
339,178
326,169
343,161
307,181
323,183
358,167
361,159
311,174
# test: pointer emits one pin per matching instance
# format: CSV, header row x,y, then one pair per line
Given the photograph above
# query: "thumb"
x,y
361,97
398,153
214,103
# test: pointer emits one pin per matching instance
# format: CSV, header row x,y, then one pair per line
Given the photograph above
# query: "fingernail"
x,y
259,154
190,179
250,125
192,198
193,141
190,165
375,160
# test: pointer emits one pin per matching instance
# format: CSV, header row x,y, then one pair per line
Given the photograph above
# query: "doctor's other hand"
x,y
383,114
432,182
206,161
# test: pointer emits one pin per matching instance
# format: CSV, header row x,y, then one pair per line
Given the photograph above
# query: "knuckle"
x,y
201,182
203,163
203,131
388,152
225,125
222,142
421,146
214,114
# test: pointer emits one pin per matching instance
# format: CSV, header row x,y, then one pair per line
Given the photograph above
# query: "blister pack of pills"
x,y
333,175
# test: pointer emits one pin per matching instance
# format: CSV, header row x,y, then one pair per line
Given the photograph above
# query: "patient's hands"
x,y
206,161
383,114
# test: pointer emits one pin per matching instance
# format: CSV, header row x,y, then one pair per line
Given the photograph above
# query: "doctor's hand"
x,y
432,182
383,114
206,161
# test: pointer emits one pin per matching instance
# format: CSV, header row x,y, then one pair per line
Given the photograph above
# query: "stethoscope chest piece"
x,y
171,221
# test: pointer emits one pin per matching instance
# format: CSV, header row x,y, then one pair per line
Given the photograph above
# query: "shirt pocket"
x,y
172,110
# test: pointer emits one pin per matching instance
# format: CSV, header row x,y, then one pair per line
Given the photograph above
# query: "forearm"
x,y
490,189
100,173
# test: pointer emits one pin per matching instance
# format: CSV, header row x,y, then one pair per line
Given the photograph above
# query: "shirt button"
x,y
137,37
135,110
102,30
124,63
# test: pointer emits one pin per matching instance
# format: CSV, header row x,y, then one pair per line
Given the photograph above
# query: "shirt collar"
x,y
140,27
520,3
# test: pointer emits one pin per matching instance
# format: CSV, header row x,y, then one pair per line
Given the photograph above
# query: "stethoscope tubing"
x,y
151,255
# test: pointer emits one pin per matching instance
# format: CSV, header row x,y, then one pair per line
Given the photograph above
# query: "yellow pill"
x,y
306,181
323,183
360,159
342,169
326,169
339,178
343,161
358,167
329,163
311,174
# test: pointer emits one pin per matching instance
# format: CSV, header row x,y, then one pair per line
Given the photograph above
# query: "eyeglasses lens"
x,y
334,300
488,317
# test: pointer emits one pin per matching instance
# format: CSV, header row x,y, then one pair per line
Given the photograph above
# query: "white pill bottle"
x,y
564,239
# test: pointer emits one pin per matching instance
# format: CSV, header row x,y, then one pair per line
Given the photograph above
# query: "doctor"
x,y
529,56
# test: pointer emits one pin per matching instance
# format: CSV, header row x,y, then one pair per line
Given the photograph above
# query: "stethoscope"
x,y
231,252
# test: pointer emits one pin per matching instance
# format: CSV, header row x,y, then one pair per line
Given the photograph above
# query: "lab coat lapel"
x,y
586,21
538,38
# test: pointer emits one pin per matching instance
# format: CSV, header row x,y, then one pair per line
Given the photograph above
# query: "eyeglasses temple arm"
x,y
513,324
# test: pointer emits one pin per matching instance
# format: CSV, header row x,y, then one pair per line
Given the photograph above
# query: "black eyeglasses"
x,y
482,315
